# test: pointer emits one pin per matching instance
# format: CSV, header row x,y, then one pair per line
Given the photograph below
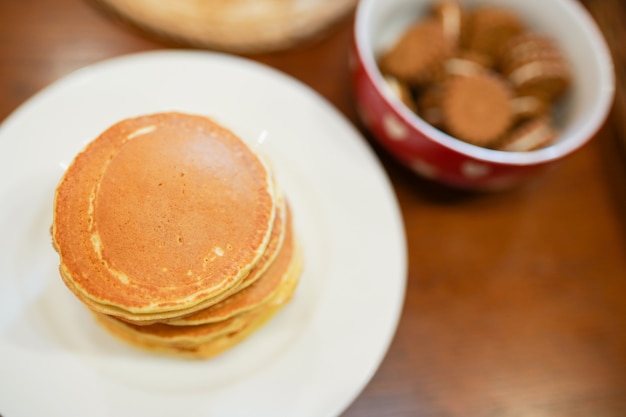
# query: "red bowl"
x,y
432,153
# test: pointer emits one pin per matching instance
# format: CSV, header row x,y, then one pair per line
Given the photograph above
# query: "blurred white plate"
x,y
312,359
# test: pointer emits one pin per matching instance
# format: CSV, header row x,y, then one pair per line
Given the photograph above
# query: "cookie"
x,y
545,79
490,27
418,56
477,109
528,136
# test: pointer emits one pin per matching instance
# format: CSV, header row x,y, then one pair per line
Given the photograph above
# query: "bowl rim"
x,y
593,120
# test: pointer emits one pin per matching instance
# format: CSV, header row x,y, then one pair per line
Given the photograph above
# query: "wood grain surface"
x,y
516,301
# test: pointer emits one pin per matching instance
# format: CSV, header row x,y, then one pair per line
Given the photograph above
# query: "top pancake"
x,y
160,213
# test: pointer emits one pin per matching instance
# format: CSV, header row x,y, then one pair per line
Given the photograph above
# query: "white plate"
x,y
312,359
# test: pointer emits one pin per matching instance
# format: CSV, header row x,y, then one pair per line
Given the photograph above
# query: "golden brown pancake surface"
x,y
161,212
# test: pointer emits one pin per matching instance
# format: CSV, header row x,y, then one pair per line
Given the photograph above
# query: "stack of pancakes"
x,y
174,233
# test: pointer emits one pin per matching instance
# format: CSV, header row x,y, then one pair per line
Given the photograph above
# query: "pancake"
x,y
160,214
206,340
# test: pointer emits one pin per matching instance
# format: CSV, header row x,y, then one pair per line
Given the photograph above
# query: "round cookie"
x,y
477,109
491,27
527,47
418,55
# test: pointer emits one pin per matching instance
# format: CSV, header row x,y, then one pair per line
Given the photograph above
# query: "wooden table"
x,y
516,301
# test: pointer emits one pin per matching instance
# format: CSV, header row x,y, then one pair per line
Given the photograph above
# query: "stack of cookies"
x,y
479,75
175,235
